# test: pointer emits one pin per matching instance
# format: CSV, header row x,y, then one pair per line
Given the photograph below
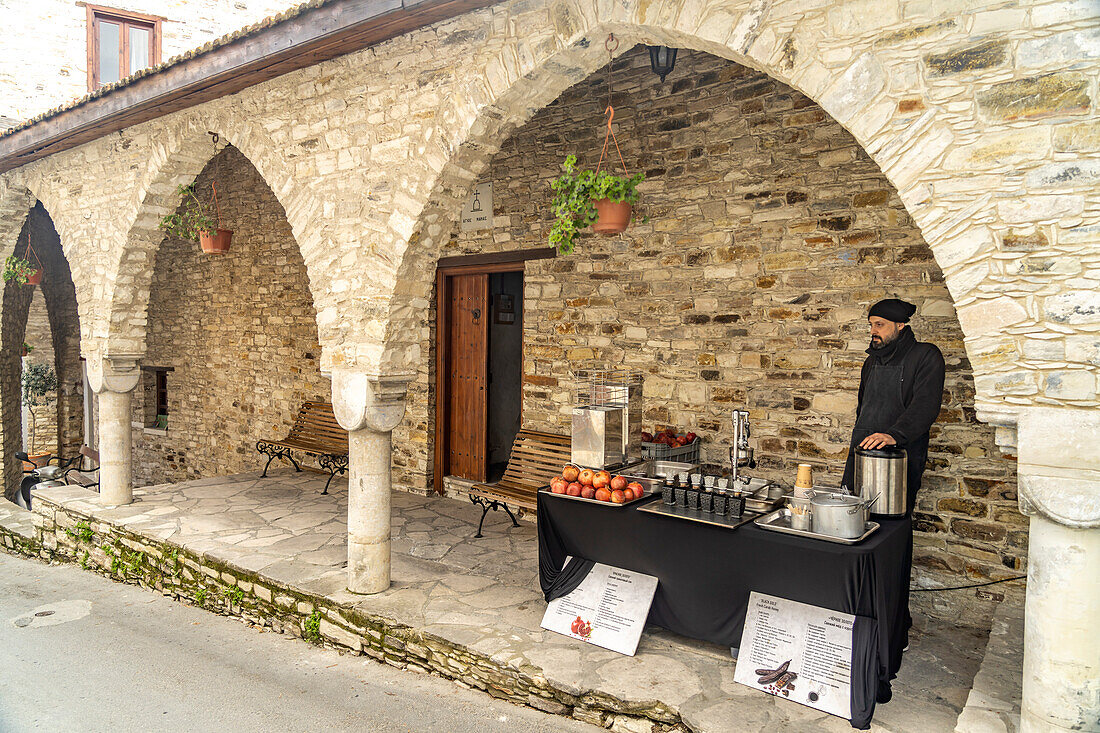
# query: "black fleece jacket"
x,y
922,390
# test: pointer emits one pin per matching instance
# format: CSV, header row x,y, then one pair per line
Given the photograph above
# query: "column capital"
x,y
1059,466
113,373
369,401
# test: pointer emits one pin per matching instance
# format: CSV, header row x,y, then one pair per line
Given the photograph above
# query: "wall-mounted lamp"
x,y
662,60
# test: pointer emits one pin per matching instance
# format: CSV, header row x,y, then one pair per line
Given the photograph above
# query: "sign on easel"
x,y
609,609
478,211
799,652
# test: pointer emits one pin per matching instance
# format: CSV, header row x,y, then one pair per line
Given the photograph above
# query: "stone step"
x,y
993,705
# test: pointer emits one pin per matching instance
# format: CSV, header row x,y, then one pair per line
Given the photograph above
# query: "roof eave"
x,y
303,40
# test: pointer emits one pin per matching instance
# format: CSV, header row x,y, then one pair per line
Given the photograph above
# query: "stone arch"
x,y
62,352
922,153
177,161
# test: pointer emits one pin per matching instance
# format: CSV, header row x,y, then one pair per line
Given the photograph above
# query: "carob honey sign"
x,y
799,652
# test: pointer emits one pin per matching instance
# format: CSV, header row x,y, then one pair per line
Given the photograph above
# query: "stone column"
x,y
113,379
1059,482
369,407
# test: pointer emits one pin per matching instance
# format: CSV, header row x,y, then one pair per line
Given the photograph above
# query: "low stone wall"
x,y
65,535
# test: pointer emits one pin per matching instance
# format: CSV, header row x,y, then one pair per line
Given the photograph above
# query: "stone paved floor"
x,y
484,593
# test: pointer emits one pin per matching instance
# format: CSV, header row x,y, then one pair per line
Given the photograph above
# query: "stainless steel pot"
x,y
839,516
882,473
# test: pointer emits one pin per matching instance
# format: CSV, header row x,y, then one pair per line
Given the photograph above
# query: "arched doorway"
x,y
231,339
44,319
770,230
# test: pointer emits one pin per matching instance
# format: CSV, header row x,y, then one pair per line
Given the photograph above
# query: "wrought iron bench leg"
x,y
513,516
273,452
269,460
485,507
334,464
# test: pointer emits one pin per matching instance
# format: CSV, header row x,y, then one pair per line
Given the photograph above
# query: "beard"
x,y
881,343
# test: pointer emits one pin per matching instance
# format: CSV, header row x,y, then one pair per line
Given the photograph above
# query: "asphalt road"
x,y
120,658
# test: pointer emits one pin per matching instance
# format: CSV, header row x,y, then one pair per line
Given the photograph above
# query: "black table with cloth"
x,y
706,573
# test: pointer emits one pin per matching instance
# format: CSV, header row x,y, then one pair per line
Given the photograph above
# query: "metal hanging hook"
x,y
611,39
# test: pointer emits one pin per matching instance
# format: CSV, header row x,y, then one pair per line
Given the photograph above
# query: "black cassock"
x,y
900,393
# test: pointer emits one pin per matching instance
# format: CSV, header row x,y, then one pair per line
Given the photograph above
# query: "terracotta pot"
x,y
35,279
216,242
614,217
38,460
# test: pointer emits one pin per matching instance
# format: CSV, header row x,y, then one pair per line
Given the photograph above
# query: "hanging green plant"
x,y
193,217
576,194
19,270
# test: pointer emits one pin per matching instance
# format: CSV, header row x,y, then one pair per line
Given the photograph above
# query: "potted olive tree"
x,y
39,388
198,221
587,198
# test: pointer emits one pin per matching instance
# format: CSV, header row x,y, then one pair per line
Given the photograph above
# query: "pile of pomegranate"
x,y
599,485
669,437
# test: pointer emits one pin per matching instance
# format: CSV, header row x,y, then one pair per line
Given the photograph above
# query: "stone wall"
x,y
39,336
239,332
45,61
770,232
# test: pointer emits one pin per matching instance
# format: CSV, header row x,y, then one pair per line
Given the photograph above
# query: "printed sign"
x,y
797,651
608,609
478,211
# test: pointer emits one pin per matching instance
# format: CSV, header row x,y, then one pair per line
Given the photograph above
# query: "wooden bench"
x,y
316,433
86,477
536,458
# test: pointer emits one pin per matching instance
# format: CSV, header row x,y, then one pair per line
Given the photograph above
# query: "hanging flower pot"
x,y
215,242
21,271
199,220
612,217
599,199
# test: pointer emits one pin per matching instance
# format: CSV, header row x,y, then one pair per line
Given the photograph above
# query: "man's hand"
x,y
877,440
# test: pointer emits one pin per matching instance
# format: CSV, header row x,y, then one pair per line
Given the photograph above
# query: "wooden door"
x,y
467,375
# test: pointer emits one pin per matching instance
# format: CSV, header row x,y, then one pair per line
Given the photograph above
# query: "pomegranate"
x,y
601,479
574,489
586,477
603,495
570,473
637,488
588,492
618,482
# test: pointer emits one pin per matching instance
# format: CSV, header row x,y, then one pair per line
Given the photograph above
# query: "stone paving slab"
x,y
484,594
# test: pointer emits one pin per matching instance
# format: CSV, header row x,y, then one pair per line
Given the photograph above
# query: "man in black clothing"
x,y
900,392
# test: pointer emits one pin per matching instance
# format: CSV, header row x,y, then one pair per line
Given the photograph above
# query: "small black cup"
x,y
706,501
667,495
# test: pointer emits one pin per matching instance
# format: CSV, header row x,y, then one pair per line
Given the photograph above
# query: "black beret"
x,y
893,309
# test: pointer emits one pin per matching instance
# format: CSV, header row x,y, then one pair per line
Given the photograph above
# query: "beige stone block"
x,y
1070,385
842,403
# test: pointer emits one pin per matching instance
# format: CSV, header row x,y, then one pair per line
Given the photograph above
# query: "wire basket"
x,y
606,387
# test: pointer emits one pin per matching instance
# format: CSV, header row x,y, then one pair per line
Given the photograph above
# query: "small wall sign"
x,y
478,211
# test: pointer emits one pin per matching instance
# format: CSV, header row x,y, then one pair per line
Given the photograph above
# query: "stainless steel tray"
x,y
780,521
698,515
612,504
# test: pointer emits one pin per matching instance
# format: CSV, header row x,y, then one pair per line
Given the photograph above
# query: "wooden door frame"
x,y
474,265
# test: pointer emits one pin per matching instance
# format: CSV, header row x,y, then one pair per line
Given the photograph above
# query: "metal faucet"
x,y
740,452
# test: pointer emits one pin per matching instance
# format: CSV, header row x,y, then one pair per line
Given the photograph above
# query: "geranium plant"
x,y
18,269
574,194
193,218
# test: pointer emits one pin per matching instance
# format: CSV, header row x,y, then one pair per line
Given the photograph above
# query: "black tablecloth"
x,y
706,574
